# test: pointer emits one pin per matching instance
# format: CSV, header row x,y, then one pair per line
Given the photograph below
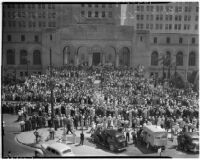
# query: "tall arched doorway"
x,y
110,56
83,58
124,56
68,55
96,55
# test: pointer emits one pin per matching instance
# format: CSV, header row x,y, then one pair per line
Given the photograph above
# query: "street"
x,y
9,144
17,150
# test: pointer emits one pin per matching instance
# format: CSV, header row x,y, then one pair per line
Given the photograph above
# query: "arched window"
x,y
154,58
179,59
36,57
23,57
192,59
10,57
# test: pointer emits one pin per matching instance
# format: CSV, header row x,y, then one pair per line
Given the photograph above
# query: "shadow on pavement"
x,y
77,145
143,148
172,147
70,143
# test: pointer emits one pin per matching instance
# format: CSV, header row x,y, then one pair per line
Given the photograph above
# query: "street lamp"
x,y
51,88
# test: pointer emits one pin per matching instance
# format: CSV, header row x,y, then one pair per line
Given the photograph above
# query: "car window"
x,y
54,152
195,140
67,151
49,149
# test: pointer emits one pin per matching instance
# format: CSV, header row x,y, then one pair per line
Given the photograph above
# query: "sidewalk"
x,y
28,139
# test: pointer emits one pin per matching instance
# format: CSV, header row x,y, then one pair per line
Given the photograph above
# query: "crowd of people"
x,y
123,98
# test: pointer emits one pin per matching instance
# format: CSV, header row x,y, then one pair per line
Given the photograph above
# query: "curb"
x,y
28,145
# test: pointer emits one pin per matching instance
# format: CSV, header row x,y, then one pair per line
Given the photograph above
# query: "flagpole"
x,y
186,68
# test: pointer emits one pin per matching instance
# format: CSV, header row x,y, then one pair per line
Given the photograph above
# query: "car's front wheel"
x,y
185,148
112,148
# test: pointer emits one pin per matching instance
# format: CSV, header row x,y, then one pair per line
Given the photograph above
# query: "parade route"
x,y
24,140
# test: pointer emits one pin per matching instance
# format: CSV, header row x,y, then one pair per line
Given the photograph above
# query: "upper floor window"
x,y
22,37
193,40
168,40
82,13
192,59
89,14
23,57
96,14
36,57
155,40
36,38
180,40
109,14
103,14
9,37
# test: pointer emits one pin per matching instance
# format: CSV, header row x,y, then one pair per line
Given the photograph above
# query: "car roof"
x,y
192,134
59,146
153,128
113,132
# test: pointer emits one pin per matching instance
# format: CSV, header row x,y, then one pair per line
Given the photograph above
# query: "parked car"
x,y
110,138
188,141
54,150
154,137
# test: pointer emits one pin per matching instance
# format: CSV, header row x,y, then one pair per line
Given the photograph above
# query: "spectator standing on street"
x,y
36,133
22,125
81,138
9,154
127,135
3,133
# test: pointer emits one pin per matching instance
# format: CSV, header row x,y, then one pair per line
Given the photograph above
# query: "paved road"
x,y
12,129
9,143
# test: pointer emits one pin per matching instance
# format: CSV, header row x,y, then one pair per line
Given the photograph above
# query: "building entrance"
x,y
96,59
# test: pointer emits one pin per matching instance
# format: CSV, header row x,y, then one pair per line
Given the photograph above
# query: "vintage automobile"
x,y
154,137
110,138
54,150
188,141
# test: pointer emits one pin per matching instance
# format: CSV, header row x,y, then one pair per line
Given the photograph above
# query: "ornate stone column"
x,y
117,60
90,59
76,60
103,58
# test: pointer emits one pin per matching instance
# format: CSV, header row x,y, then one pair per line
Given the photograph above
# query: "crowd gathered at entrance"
x,y
124,98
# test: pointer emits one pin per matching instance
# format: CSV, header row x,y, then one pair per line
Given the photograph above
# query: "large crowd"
x,y
120,98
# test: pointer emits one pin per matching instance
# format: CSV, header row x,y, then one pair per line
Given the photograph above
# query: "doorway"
x,y
96,59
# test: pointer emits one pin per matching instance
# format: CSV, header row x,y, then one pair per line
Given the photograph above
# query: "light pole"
x,y
51,87
27,62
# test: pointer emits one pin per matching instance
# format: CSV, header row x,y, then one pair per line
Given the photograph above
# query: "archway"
x,y
68,55
96,55
110,56
83,58
124,56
